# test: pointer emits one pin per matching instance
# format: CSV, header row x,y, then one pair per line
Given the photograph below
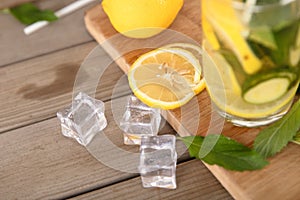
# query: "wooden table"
x,y
37,75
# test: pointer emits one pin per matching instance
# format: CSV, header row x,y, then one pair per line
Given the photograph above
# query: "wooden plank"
x,y
66,32
12,3
246,185
34,90
38,162
193,182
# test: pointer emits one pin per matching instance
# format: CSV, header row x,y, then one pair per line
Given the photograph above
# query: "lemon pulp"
x,y
166,78
159,86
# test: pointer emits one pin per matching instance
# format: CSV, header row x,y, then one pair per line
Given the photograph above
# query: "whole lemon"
x,y
141,18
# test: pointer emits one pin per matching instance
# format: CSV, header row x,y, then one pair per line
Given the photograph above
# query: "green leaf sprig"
x,y
235,156
274,138
226,153
28,13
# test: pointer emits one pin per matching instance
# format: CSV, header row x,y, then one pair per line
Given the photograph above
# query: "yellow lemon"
x,y
166,78
141,18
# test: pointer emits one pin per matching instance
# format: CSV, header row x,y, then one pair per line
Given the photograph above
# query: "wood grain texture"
x,y
195,183
36,89
199,118
66,32
38,162
12,3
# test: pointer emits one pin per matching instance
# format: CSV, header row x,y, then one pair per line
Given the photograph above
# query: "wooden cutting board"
x,y
279,180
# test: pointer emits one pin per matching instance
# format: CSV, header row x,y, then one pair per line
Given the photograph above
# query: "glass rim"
x,y
259,8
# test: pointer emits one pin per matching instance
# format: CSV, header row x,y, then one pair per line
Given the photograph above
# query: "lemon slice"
x,y
197,52
181,60
159,86
223,90
166,78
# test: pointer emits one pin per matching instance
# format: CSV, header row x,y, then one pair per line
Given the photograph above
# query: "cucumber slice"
x,y
268,86
267,91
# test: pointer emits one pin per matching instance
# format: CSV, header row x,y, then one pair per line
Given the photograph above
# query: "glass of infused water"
x,y
251,58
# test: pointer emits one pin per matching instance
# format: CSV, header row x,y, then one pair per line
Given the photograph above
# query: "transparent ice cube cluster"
x,y
158,161
139,120
83,119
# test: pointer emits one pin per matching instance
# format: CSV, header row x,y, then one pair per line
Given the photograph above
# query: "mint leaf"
x,y
226,153
273,138
28,13
285,38
264,36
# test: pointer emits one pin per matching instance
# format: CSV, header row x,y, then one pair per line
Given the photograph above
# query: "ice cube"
x,y
83,119
139,120
158,161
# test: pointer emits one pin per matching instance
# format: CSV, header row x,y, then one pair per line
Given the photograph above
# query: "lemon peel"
x,y
141,18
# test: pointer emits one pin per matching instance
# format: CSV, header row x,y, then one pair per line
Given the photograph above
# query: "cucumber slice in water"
x,y
268,86
267,91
